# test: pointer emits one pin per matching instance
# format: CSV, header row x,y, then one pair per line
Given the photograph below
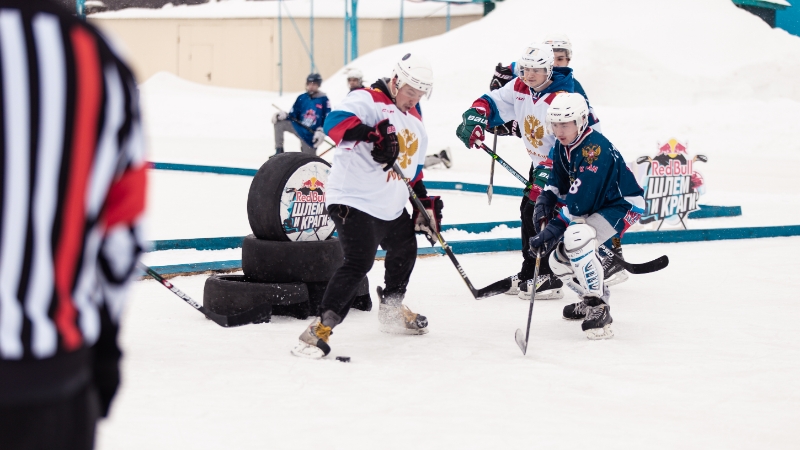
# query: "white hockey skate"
x,y
396,318
314,341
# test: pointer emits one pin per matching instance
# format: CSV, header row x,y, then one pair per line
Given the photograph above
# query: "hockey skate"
x,y
548,288
575,311
597,323
314,341
613,273
396,318
516,282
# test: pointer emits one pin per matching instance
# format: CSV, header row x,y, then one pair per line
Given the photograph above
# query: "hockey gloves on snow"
x,y
385,147
502,75
433,206
319,137
545,209
472,130
547,239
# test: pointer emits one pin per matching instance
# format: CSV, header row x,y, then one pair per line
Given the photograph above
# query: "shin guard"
x,y
580,245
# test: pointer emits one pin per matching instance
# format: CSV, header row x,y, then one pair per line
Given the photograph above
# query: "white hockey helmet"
x,y
560,42
537,56
568,107
415,71
354,73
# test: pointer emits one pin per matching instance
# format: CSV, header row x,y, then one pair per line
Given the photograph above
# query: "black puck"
x,y
343,358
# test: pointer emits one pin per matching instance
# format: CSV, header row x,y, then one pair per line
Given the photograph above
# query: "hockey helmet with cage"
x,y
568,107
560,42
415,71
537,56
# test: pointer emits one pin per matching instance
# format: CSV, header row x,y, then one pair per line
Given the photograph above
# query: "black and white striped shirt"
x,y
72,182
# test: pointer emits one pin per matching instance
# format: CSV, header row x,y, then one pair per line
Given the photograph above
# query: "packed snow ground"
x,y
706,353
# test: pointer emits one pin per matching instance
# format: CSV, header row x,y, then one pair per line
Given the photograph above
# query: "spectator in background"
x,y
72,181
305,119
355,79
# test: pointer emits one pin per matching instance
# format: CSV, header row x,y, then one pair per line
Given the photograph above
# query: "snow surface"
x,y
706,356
706,353
242,9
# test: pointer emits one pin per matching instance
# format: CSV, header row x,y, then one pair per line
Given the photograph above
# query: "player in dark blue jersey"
x,y
598,198
305,119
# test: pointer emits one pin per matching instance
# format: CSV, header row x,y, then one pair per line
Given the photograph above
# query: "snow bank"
x,y
242,9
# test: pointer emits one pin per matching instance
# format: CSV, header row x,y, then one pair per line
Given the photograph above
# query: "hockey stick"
x,y
234,320
648,267
500,160
490,189
493,289
523,345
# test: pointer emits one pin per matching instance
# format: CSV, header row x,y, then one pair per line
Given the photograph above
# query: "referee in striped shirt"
x,y
72,188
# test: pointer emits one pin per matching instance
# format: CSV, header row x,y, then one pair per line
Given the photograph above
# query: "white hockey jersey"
x,y
356,179
516,101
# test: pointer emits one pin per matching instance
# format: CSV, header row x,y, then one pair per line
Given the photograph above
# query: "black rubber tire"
x,y
301,311
235,294
316,291
266,190
285,262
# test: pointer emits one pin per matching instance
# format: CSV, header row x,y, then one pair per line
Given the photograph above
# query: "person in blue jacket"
x,y
305,119
599,197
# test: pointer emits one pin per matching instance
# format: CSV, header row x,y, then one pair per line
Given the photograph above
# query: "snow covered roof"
x,y
239,9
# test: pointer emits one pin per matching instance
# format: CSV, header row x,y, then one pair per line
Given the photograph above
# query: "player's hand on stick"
x,y
472,130
278,116
319,137
433,206
547,239
385,147
544,210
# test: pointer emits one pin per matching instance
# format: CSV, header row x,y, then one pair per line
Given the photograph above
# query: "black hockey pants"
x,y
360,235
528,231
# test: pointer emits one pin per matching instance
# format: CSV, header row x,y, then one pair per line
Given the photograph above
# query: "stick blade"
x,y
489,193
493,289
649,267
519,336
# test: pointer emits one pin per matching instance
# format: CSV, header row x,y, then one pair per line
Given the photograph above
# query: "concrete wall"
x,y
244,53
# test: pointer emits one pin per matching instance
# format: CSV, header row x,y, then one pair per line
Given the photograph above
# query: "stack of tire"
x,y
292,253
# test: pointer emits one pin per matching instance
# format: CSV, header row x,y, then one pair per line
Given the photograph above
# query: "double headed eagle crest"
x,y
534,131
409,144
591,153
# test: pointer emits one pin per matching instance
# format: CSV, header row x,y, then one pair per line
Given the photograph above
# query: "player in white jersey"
x,y
525,100
374,128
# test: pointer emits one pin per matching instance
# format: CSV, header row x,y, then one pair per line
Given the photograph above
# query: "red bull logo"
x,y
672,148
313,184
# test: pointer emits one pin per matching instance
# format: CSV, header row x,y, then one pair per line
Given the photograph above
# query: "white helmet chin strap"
x,y
581,130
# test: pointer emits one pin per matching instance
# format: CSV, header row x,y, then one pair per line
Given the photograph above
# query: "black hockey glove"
x,y
502,75
509,128
385,147
547,239
433,206
545,209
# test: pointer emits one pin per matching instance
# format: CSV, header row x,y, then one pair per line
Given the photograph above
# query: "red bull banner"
x,y
672,186
303,212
